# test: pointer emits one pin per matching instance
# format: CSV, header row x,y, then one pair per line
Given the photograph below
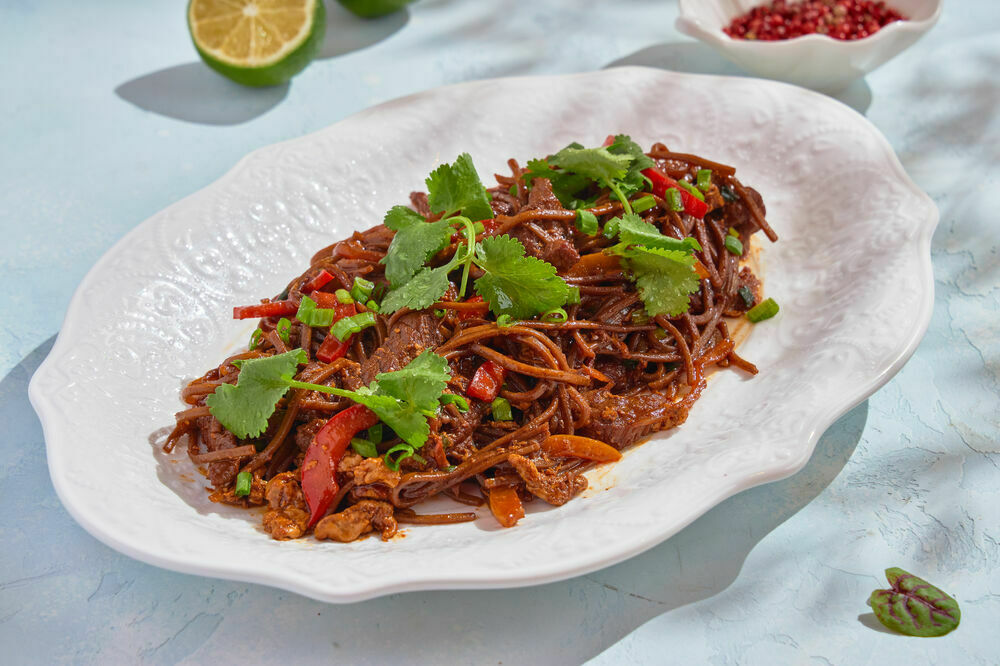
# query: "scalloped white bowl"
x,y
852,274
813,61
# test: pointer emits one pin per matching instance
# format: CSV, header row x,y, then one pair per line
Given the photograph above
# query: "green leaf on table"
x,y
914,607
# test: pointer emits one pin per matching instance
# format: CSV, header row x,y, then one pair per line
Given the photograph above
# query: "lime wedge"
x,y
374,8
257,42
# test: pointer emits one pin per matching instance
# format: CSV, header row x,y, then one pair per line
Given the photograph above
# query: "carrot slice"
x,y
506,506
576,446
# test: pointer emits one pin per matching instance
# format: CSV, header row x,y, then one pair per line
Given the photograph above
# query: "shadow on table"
x,y
698,58
567,622
195,93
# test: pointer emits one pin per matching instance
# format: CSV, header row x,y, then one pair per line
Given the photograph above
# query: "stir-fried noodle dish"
x,y
484,344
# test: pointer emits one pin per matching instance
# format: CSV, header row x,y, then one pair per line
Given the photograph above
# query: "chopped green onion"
x,y
611,228
243,483
704,179
501,410
573,296
728,194
364,447
733,232
763,310
692,189
643,204
586,222
255,338
505,320
734,246
439,313
344,296
372,305
555,315
457,400
283,327
310,315
660,333
375,433
361,289
673,199
478,228
393,463
348,326
746,295
450,468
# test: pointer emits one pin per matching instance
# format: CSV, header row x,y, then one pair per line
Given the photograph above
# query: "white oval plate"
x,y
852,273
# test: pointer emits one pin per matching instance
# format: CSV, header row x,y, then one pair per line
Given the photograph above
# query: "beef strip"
x,y
287,515
554,487
738,215
411,334
305,433
548,240
356,520
216,438
621,420
419,202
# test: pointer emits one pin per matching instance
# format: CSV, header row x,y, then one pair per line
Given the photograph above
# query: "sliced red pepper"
x,y
480,311
661,183
331,348
319,467
317,282
272,309
486,383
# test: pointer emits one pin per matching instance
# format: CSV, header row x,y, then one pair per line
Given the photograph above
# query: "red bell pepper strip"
x,y
319,467
480,311
331,348
486,383
272,309
317,282
661,183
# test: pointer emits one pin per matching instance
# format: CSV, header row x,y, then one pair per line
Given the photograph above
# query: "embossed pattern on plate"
x,y
851,272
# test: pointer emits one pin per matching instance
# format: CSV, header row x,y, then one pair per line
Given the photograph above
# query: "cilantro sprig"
x,y
403,399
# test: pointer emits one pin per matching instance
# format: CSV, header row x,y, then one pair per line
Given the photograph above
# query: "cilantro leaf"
x,y
453,188
398,218
514,284
404,419
415,242
421,292
633,230
566,186
245,407
664,277
624,145
421,383
595,163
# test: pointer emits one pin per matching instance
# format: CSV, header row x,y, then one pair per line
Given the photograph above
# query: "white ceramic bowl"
x,y
813,61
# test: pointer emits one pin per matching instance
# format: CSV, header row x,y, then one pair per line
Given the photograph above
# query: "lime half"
x,y
257,42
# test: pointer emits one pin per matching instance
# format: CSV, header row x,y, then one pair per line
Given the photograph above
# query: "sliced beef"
x,y
410,335
287,515
419,202
352,522
621,420
460,428
216,438
548,240
554,487
305,433
749,280
738,215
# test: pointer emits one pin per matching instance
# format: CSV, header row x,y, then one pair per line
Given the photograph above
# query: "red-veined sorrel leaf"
x,y
914,607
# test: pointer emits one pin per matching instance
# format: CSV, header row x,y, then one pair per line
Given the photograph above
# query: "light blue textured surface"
x,y
107,118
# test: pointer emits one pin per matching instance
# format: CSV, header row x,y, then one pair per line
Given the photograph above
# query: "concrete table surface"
x,y
107,117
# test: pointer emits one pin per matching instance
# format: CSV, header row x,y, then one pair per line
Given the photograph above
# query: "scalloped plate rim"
x,y
46,411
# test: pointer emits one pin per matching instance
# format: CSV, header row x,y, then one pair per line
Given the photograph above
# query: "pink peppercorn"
x,y
840,19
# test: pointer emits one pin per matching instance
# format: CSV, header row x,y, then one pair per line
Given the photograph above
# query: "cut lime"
x,y
257,42
374,8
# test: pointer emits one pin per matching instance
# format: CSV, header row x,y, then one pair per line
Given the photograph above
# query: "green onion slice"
x,y
457,400
691,189
673,199
243,483
501,410
746,295
763,310
643,204
283,327
703,179
733,232
361,289
586,222
405,451
255,338
348,326
344,296
555,316
505,320
734,246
